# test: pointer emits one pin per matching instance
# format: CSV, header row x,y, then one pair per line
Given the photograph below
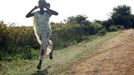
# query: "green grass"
x,y
61,58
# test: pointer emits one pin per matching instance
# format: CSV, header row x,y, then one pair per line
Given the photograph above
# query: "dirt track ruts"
x,y
115,57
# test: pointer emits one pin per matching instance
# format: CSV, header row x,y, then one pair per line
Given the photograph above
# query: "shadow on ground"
x,y
43,72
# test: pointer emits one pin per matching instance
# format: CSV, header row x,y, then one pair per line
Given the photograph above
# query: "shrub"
x,y
120,27
95,27
102,31
113,28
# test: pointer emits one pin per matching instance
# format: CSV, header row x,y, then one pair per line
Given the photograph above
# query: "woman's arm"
x,y
52,12
30,14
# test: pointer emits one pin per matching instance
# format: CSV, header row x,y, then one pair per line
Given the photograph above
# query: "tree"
x,y
107,23
122,16
80,19
71,19
3,39
132,20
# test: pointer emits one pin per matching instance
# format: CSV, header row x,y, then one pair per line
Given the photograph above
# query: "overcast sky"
x,y
14,11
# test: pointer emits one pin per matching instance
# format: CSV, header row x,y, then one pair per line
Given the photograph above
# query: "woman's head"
x,y
41,4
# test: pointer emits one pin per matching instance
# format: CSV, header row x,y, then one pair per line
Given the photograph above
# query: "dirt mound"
x,y
115,57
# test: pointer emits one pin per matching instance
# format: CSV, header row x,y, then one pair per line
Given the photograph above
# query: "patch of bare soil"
x,y
115,57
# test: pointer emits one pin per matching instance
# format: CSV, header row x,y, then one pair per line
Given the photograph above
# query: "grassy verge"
x,y
74,53
61,58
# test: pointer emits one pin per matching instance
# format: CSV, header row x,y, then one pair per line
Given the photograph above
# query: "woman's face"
x,y
41,4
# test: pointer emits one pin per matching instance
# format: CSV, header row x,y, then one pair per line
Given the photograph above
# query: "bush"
x,y
113,28
120,27
95,27
26,53
102,31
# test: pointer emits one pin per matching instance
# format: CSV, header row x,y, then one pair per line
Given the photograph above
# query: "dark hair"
x,y
42,1
48,4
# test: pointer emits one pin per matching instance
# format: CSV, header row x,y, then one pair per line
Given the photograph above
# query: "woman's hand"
x,y
35,7
29,14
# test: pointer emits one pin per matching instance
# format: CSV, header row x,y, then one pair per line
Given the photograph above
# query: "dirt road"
x,y
115,57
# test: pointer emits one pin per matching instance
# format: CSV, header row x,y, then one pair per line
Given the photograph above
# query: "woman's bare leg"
x,y
43,49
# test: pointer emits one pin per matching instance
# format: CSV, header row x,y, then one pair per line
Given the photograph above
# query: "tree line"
x,y
20,42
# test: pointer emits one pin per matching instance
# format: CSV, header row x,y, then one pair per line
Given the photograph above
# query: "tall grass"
x,y
57,66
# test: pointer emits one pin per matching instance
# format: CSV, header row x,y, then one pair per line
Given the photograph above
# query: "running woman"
x,y
42,28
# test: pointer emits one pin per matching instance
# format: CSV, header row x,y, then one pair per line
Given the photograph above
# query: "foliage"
x,y
14,40
3,39
102,31
122,16
95,27
62,57
79,19
21,42
113,28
